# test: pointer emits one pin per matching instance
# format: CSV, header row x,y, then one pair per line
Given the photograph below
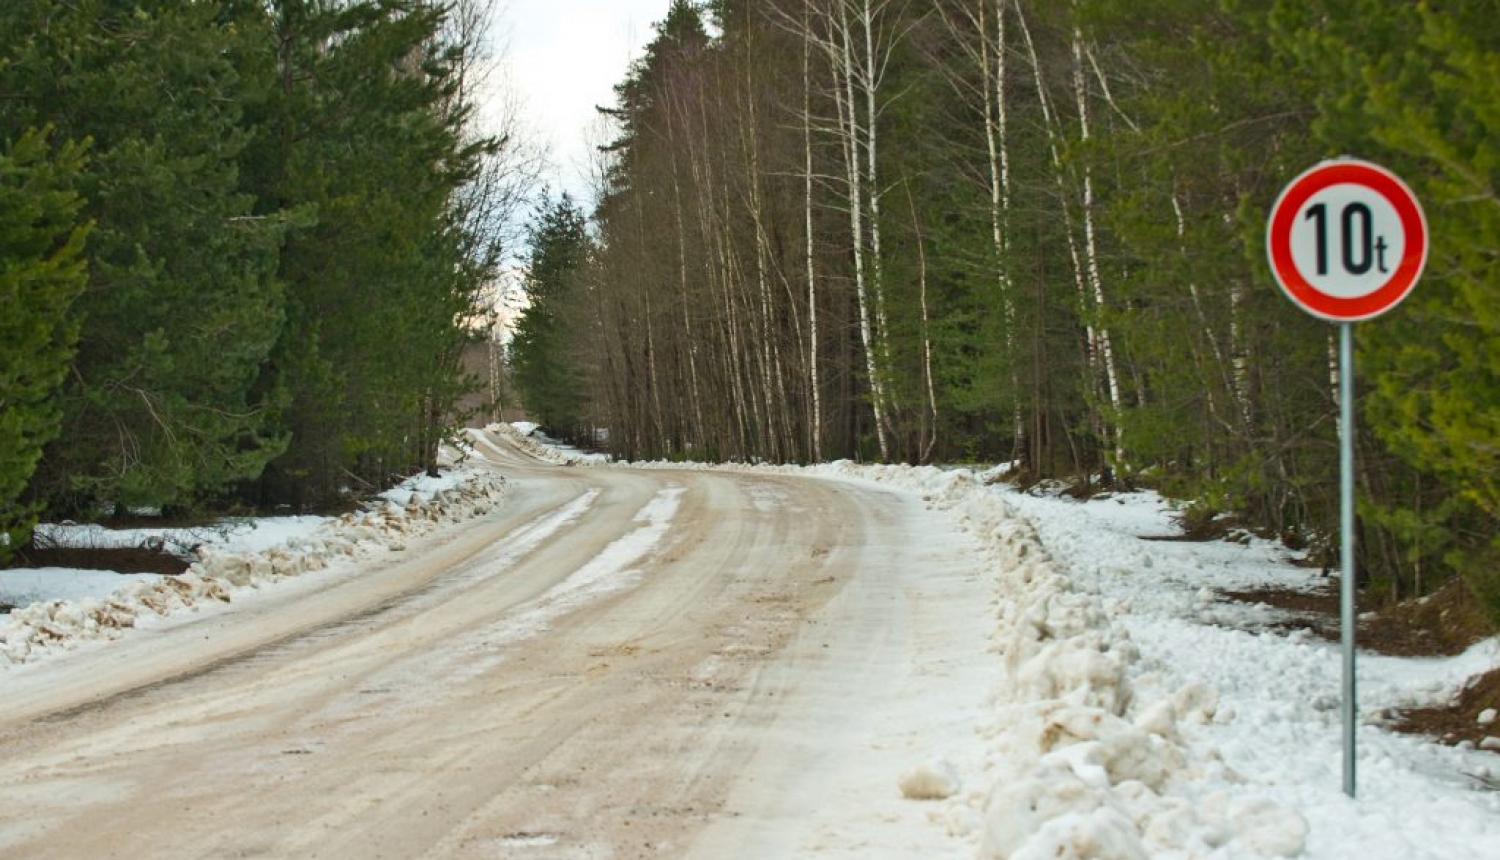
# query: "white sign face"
x,y
1347,240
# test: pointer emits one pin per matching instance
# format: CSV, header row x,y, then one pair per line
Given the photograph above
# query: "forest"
x,y
1034,232
240,245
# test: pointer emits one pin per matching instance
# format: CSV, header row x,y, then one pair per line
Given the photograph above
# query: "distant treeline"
x,y
239,242
1034,231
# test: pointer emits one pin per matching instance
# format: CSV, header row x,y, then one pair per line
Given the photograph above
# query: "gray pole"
x,y
1346,551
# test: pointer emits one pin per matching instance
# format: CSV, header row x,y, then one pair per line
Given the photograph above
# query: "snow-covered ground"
x,y
1275,730
1138,713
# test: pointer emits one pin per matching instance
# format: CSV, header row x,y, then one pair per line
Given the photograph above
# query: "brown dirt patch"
x,y
1197,528
1443,624
1446,623
1316,611
1458,722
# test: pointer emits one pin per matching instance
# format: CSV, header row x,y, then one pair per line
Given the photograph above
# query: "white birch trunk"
x,y
1050,125
1096,278
1333,382
870,81
658,414
699,428
849,134
769,356
926,336
814,384
1220,365
725,279
1237,351
995,120
773,380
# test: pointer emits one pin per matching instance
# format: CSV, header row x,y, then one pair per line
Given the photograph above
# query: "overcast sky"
x,y
561,58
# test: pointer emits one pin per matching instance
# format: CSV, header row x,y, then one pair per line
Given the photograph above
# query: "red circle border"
x,y
1279,240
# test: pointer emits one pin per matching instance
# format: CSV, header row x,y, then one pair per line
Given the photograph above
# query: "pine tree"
x,y
182,304
1417,89
41,274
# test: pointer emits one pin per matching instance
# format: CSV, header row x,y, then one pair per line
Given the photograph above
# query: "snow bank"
x,y
247,556
1277,723
27,585
527,437
1083,763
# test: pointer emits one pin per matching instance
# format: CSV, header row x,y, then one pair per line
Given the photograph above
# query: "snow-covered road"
x,y
536,658
611,663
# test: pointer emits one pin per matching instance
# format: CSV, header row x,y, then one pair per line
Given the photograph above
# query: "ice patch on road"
x,y
767,498
502,555
612,570
527,840
478,437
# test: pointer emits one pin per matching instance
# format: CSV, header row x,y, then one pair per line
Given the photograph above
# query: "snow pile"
x,y
221,566
24,586
933,780
529,438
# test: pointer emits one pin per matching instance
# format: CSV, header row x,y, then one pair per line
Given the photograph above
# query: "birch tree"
x,y
855,39
814,382
1104,344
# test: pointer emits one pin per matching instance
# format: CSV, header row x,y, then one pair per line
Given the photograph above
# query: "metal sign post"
x,y
1347,241
1346,543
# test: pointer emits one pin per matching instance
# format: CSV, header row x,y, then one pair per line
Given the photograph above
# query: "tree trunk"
x,y
849,137
1096,279
814,384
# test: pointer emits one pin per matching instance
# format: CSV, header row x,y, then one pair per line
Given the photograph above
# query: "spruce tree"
x,y
543,355
361,133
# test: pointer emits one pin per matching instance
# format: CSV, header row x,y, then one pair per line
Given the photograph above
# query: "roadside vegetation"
x,y
240,243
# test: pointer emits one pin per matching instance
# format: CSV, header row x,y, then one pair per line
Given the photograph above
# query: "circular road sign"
x,y
1347,240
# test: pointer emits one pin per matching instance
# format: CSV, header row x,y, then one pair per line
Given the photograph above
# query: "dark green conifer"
x,y
41,274
542,356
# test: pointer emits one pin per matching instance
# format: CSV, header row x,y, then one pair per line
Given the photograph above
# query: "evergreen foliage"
x,y
363,140
1422,87
41,274
181,303
284,256
544,362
